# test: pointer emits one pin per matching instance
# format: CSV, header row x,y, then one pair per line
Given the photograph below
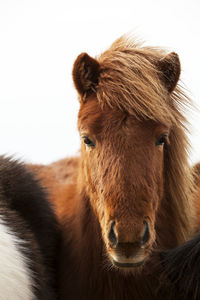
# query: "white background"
x,y
39,41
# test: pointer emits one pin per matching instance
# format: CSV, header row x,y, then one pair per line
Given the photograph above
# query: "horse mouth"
x,y
127,264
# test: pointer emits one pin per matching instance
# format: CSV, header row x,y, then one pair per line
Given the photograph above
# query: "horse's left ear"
x,y
85,74
170,69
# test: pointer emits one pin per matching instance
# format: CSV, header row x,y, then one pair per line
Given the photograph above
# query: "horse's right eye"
x,y
88,142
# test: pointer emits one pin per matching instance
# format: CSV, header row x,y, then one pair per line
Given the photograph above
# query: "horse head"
x,y
126,122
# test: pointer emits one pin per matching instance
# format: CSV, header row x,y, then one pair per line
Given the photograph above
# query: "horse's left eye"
x,y
161,141
88,142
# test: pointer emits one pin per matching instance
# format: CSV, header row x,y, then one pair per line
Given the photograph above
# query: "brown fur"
x,y
85,74
125,177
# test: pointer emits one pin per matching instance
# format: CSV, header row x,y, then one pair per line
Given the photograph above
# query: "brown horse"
x,y
130,192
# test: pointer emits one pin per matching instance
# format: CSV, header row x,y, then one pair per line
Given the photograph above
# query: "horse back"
x,y
59,178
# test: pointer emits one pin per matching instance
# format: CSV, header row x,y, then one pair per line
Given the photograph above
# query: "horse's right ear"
x,y
85,74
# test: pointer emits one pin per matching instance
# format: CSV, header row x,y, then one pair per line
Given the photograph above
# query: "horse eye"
x,y
161,141
88,142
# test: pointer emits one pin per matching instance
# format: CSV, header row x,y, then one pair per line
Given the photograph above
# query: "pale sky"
x,y
39,41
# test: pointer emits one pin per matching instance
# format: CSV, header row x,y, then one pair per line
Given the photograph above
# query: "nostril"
x,y
146,235
112,235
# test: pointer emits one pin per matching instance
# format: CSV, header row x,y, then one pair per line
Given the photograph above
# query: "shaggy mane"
x,y
130,80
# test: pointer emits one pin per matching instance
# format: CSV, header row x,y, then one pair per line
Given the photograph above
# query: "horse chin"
x,y
128,266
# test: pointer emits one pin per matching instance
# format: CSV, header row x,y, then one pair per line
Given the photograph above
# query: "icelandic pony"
x,y
130,193
29,236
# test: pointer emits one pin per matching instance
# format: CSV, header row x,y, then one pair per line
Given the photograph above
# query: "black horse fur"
x,y
181,270
28,221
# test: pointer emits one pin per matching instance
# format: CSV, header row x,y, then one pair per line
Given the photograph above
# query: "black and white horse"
x,y
29,236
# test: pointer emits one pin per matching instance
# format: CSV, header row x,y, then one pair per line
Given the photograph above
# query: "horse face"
x,y
122,162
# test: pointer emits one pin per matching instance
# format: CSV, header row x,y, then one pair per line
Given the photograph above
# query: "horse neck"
x,y
175,222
